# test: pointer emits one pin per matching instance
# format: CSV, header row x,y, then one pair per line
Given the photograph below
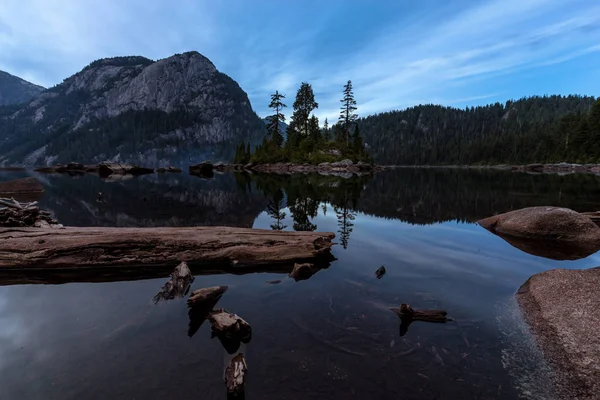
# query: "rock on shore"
x,y
562,307
544,223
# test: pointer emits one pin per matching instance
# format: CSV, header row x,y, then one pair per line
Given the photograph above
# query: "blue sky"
x,y
398,53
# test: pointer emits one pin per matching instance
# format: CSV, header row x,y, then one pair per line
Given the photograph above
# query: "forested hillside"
x,y
534,129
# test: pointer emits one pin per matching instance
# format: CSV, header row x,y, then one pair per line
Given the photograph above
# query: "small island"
x,y
307,147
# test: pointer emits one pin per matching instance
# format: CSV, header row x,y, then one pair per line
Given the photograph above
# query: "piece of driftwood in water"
x,y
177,286
235,375
230,328
380,272
303,271
408,316
117,247
201,304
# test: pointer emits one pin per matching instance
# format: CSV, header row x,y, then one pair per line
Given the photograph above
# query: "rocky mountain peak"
x,y
180,100
14,90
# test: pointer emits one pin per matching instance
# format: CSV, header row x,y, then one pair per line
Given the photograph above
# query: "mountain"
x,y
14,90
175,111
517,132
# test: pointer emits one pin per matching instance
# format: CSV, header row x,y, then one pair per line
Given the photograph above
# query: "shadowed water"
x,y
331,336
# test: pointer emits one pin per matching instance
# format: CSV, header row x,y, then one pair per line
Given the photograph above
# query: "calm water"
x,y
329,337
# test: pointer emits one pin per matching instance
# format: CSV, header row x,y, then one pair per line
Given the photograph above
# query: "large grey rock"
x,y
544,223
562,308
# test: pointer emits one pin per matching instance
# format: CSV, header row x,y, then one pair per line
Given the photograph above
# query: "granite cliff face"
x,y
14,90
173,111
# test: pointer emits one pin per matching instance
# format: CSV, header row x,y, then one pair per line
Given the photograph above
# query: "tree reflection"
x,y
274,211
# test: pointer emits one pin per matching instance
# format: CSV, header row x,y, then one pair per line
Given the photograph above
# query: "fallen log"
x,y
235,374
408,316
177,286
72,248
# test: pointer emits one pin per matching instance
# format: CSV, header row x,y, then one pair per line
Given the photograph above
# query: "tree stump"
x,y
408,316
235,375
177,286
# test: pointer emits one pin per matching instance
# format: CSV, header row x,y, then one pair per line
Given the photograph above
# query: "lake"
x,y
329,337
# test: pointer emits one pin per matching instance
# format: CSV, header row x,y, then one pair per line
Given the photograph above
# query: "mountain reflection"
x,y
413,195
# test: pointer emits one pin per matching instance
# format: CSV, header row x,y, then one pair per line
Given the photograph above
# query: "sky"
x,y
398,53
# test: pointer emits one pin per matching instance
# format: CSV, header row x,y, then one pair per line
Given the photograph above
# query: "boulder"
x,y
553,223
346,163
202,169
107,169
562,308
174,169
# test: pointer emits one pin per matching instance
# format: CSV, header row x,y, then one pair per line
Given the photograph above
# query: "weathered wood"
x,y
303,271
177,286
228,325
15,214
408,315
235,375
77,247
206,294
201,304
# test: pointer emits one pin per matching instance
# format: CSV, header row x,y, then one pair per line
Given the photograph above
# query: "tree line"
x,y
534,129
306,141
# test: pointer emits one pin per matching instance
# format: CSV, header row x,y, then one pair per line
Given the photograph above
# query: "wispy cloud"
x,y
397,54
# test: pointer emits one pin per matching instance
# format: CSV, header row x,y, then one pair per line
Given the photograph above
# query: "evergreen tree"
x,y
303,106
347,115
357,142
326,130
314,130
275,120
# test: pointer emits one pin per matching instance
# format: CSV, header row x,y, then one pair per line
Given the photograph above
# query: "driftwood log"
x,y
93,247
235,375
230,329
177,286
408,316
201,304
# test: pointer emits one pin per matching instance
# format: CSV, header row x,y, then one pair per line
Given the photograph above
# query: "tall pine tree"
x,y
347,111
275,120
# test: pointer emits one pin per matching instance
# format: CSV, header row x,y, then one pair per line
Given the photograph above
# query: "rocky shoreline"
x,y
341,167
562,308
538,168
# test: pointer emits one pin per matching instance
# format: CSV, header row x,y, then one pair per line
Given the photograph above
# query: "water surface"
x,y
331,336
